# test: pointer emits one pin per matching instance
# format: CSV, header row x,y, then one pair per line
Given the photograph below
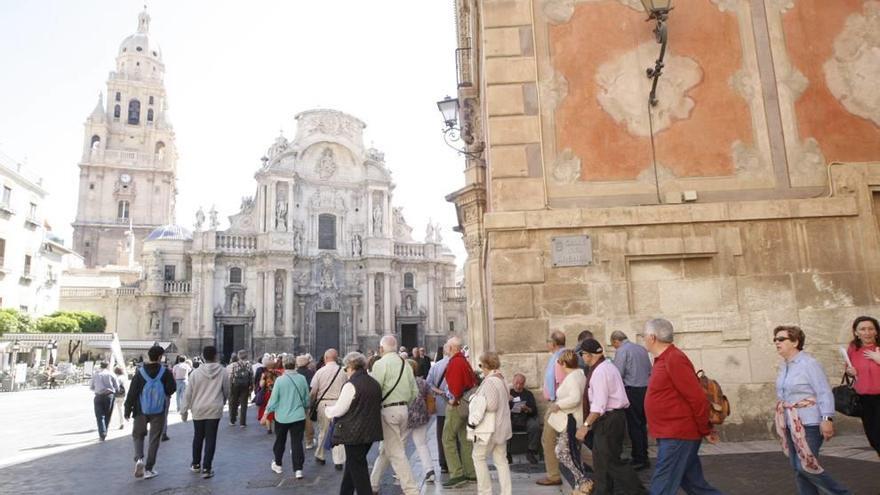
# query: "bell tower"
x,y
128,169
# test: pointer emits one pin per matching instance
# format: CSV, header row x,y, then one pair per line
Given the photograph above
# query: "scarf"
x,y
798,433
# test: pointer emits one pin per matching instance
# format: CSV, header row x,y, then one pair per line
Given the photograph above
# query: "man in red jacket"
x,y
459,378
678,415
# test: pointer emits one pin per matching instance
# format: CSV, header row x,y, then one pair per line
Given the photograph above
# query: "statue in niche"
x,y
235,305
378,317
326,164
297,240
377,219
303,280
154,321
357,247
408,304
214,223
437,237
281,215
328,277
200,219
279,299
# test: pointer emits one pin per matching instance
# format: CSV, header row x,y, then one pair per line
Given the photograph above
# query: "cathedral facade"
x,y
317,257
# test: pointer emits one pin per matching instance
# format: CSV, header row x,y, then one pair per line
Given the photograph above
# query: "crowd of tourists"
x,y
593,403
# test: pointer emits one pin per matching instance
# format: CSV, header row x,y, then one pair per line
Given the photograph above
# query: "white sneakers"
x,y
298,475
139,468
276,468
150,473
311,445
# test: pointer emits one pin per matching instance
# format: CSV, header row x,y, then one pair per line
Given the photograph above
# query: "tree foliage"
x,y
58,324
88,321
14,321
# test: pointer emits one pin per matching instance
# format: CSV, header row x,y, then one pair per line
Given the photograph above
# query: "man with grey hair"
x,y
395,377
553,376
326,386
241,379
635,368
437,380
678,415
459,378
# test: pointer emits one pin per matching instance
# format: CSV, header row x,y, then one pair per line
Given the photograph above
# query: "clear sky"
x,y
236,73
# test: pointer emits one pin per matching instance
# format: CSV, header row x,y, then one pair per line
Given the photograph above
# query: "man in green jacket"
x,y
289,402
398,390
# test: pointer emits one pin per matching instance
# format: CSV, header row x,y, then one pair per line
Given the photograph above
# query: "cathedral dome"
x,y
139,43
170,232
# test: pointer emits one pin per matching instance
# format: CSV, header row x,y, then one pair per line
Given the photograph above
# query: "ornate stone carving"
x,y
853,71
377,219
235,304
357,246
328,274
402,230
330,122
746,84
378,297
808,164
566,169
200,219
793,79
326,166
625,89
214,222
746,159
297,240
781,5
279,302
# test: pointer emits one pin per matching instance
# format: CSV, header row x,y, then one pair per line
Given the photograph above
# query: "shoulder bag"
x,y
846,400
402,365
313,410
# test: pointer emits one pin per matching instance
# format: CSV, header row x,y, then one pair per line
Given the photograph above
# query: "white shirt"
x,y
346,396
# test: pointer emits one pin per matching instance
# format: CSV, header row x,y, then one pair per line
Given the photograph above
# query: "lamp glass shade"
x,y
657,5
449,109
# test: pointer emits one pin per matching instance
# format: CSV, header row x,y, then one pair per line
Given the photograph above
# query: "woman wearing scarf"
x,y
804,412
489,426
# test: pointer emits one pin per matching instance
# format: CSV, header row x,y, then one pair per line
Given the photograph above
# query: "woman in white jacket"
x,y
489,426
566,414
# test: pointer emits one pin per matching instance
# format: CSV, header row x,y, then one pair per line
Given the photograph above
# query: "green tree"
x,y
88,321
14,321
58,324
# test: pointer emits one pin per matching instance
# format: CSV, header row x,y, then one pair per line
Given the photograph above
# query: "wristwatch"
x,y
827,418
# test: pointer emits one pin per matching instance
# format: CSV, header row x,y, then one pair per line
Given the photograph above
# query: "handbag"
x,y
430,403
260,396
846,400
313,409
328,437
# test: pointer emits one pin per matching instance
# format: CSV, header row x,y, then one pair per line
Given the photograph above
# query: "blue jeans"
x,y
808,483
181,390
103,411
678,465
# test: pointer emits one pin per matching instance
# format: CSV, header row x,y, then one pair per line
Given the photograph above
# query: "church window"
x,y
122,210
160,147
95,143
326,231
116,112
91,186
451,326
408,280
150,115
134,112
151,100
118,96
175,328
235,275
140,49
169,273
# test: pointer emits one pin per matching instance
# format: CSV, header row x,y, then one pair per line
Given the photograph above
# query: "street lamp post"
x,y
657,10
450,109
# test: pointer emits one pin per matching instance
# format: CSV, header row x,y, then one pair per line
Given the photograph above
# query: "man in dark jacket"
x,y
133,407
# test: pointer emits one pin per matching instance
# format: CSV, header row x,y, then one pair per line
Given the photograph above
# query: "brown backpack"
x,y
719,406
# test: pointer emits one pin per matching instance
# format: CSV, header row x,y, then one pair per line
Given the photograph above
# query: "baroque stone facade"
x,y
750,203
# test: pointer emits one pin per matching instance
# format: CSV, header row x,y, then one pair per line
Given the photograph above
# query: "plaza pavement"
x,y
51,447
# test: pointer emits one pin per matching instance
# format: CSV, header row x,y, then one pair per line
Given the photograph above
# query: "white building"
x,y
31,258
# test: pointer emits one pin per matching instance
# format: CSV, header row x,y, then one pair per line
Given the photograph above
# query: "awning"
x,y
134,345
43,338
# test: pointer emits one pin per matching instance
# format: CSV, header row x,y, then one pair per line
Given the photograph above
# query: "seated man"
x,y
524,415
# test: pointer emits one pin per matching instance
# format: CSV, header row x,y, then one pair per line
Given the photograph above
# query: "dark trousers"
x,y
678,465
139,431
238,402
205,433
809,483
871,419
612,474
637,423
441,420
296,431
356,476
103,411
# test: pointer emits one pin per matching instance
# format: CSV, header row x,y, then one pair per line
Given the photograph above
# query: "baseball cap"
x,y
591,346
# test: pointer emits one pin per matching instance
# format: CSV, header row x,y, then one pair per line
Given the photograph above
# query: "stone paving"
x,y
53,451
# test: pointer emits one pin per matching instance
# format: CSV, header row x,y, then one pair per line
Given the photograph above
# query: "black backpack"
x,y
241,373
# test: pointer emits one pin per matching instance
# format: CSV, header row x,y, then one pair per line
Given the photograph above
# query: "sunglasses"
x,y
780,339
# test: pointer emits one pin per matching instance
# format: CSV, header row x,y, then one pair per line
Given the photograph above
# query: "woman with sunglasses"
x,y
865,357
804,412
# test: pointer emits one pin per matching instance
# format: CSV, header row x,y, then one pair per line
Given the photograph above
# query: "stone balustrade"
x,y
454,294
130,158
409,250
177,287
234,243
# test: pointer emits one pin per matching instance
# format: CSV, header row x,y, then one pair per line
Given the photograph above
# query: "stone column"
x,y
301,319
288,300
207,296
369,212
370,325
290,203
268,302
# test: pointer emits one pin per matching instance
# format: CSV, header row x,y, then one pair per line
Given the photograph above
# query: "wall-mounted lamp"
x,y
657,10
449,108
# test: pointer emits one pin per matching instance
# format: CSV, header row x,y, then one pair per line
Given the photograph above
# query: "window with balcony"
x,y
235,275
169,273
134,112
408,280
32,211
122,210
27,265
326,231
6,200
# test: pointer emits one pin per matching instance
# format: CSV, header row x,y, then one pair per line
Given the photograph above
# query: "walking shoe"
x,y
102,437
207,473
455,482
429,477
165,438
298,474
139,468
311,445
320,461
339,467
471,479
444,470
276,468
231,422
531,457
242,426
640,465
150,473
196,468
549,482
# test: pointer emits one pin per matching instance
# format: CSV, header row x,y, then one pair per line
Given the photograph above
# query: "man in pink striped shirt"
x,y
607,421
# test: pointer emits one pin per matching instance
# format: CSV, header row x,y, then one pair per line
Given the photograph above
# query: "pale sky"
x,y
237,72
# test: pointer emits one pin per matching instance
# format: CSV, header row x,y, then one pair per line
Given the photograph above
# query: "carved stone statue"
x,y
235,305
200,219
408,304
328,277
377,219
279,299
438,238
357,247
297,240
154,321
378,285
429,232
326,166
281,216
214,222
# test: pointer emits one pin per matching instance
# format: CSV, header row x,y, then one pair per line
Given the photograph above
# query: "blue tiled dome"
x,y
170,233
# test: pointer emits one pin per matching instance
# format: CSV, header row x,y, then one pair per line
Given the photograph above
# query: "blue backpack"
x,y
153,395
